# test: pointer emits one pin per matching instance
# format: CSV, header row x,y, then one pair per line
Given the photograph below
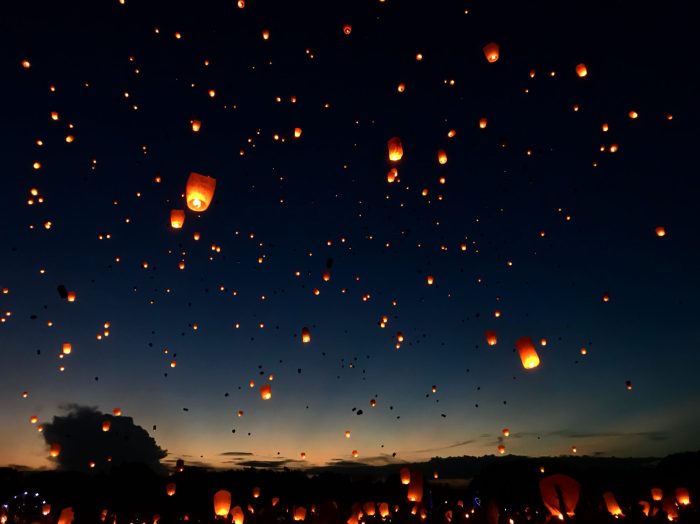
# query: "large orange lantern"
x,y
266,391
581,70
199,191
560,495
66,516
491,52
237,515
528,355
415,487
611,504
177,218
657,494
222,503
395,149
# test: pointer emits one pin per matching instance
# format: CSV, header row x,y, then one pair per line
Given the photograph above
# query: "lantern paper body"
x,y
611,504
199,191
581,70
442,157
46,509
106,426
528,355
405,475
256,492
170,489
395,149
491,338
491,52
657,494
682,496
415,487
384,510
266,392
305,335
237,515
177,218
645,507
669,506
300,513
560,495
66,516
55,450
369,509
222,503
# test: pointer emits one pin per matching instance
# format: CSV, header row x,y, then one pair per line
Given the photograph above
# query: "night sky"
x,y
539,216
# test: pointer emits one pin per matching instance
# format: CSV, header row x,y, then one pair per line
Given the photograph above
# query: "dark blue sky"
x,y
286,205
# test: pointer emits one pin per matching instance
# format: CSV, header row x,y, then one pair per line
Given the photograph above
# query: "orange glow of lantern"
x,y
54,450
199,191
266,392
483,122
395,149
170,489
528,355
222,503
581,70
491,338
492,52
305,335
177,218
106,426
442,157
682,496
611,504
405,475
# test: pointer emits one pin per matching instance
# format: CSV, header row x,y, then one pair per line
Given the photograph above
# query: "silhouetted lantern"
x,y
199,191
170,489
395,149
266,392
405,475
222,503
581,70
491,338
177,218
305,335
528,355
491,51
560,494
611,504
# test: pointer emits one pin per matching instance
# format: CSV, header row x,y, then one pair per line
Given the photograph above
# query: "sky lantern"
x,y
501,449
506,432
347,29
170,489
106,425
405,475
199,191
297,132
266,392
660,231
491,52
33,419
177,218
560,495
442,157
483,122
611,504
392,175
633,115
383,510
305,335
117,412
401,87
528,355
180,465
266,34
46,509
71,296
682,496
491,338
347,433
222,503
430,280
299,513
237,515
369,509
395,149
256,492
669,506
355,453
645,507
196,126
66,516
415,487
581,70
54,450
67,348
657,494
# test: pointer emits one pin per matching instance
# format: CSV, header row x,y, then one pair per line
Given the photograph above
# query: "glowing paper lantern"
x,y
199,191
491,52
405,475
682,496
299,513
383,510
297,132
560,495
415,487
305,335
196,126
506,432
256,492
266,392
46,509
491,338
395,149
611,504
106,425
66,516
581,70
660,231
442,157
501,449
347,29
528,355
483,122
170,489
237,515
177,218
67,348
55,450
222,503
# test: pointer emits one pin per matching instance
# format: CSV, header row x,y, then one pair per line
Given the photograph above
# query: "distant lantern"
x,y
180,465
491,51
392,175
222,503
430,280
405,475
383,510
177,218
611,504
633,115
660,231
347,433
528,355
682,496
256,492
55,450
106,426
506,432
501,449
71,296
266,34
373,403
266,392
170,489
305,335
401,87
395,149
560,494
297,132
347,29
483,122
369,509
67,348
200,191
33,419
196,126
355,453
581,70
491,338
442,157
299,513
117,412
657,494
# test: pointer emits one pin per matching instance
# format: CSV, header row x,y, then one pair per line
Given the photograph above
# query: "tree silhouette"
x,y
85,445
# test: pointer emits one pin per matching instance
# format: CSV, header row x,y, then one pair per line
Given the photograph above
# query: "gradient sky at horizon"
x,y
297,196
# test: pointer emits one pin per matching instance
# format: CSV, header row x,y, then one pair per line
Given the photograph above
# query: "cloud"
x,y
656,436
455,445
83,441
268,464
235,454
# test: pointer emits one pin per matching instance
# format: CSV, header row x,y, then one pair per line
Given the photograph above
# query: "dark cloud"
x,y
268,464
455,445
235,454
650,435
82,440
